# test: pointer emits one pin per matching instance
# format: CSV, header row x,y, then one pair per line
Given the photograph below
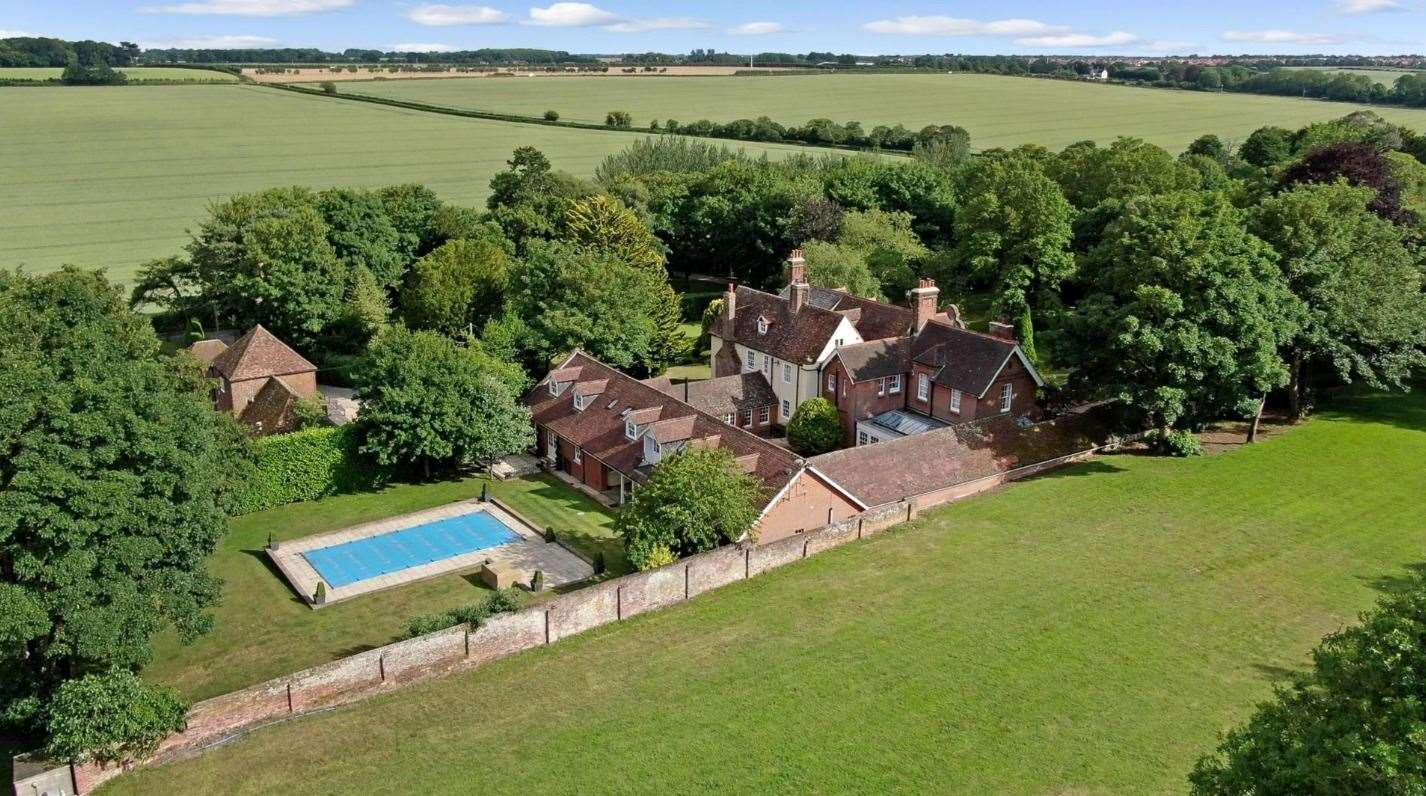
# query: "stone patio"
x,y
525,556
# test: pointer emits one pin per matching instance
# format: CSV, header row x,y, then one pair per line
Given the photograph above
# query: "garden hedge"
x,y
306,465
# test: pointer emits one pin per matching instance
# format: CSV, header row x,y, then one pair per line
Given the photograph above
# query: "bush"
x,y
815,428
475,614
112,717
620,120
552,116
328,87
537,581
659,556
307,465
1175,442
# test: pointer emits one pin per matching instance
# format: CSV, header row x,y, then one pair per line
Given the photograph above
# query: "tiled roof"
x,y
962,360
722,395
906,423
270,411
259,354
874,319
885,472
207,350
599,429
796,338
875,359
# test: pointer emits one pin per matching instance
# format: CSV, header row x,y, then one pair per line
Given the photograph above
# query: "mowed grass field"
x,y
998,111
1087,632
1386,77
134,73
113,176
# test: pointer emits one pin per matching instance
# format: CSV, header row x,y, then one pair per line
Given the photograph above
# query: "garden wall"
x,y
376,671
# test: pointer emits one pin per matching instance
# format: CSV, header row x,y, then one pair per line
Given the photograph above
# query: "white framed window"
x,y
862,438
881,386
786,373
894,384
923,387
764,415
578,402
747,418
956,401
1007,395
767,367
728,418
578,456
831,382
762,325
752,360
786,409
554,387
631,431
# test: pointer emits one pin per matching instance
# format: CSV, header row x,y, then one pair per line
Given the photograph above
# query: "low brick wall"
x,y
374,671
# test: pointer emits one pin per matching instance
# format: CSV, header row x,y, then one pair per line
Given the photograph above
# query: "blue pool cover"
x,y
362,559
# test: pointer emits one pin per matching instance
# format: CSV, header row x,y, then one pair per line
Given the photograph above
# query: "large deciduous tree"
x,y
1013,230
457,287
1360,283
694,501
1185,313
362,234
429,403
1352,724
1359,164
114,717
115,482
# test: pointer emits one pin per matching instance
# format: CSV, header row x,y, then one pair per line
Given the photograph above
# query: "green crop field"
x,y
1386,77
1088,632
998,111
113,176
134,73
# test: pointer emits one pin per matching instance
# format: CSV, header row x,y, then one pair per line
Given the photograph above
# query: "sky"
x,y
1092,27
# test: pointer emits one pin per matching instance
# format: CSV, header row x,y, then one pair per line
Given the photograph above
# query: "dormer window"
x,y
554,387
631,431
762,325
579,402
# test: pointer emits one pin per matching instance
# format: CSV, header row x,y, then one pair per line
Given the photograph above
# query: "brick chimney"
x,y
1002,329
797,280
923,302
730,307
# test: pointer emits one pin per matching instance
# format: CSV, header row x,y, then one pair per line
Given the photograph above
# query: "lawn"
x,y
134,73
114,176
998,111
1087,632
1386,77
264,630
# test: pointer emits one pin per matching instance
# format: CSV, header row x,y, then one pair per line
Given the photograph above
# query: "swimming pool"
x,y
373,556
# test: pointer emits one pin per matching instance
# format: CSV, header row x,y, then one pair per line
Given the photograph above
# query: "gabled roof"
x,y
875,359
599,429
794,338
722,395
206,351
964,360
258,354
874,319
270,410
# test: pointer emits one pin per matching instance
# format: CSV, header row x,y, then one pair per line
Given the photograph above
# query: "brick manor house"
x,y
890,371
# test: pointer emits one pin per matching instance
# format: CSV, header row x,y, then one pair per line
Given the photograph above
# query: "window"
x,y
578,402
762,325
764,415
956,401
728,418
894,386
578,456
923,387
862,438
881,386
747,418
1007,394
630,430
767,367
786,373
554,387
786,409
832,382
752,360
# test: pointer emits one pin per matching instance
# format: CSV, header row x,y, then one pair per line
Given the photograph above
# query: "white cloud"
x,y
1115,39
572,15
1281,37
16,34
438,15
660,23
210,43
250,8
1357,7
956,26
757,28
422,47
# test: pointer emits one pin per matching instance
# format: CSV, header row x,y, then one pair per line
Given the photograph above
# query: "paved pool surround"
x,y
522,549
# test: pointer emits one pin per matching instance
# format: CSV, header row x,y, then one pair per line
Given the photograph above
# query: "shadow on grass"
x,y
1398,583
1402,410
1280,675
261,555
1092,467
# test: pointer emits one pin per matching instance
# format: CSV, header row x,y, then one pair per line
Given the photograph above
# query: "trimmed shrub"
x,y
659,556
475,614
537,581
306,465
552,116
815,428
1175,442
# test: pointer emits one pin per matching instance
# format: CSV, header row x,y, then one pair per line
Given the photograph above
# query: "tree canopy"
x,y
457,287
815,428
694,501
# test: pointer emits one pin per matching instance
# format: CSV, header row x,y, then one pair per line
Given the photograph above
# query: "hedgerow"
x,y
306,465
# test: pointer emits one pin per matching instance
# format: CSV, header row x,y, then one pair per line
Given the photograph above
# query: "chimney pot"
x,y
923,303
796,268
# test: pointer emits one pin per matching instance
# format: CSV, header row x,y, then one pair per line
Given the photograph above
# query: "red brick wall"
x,y
973,408
859,400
